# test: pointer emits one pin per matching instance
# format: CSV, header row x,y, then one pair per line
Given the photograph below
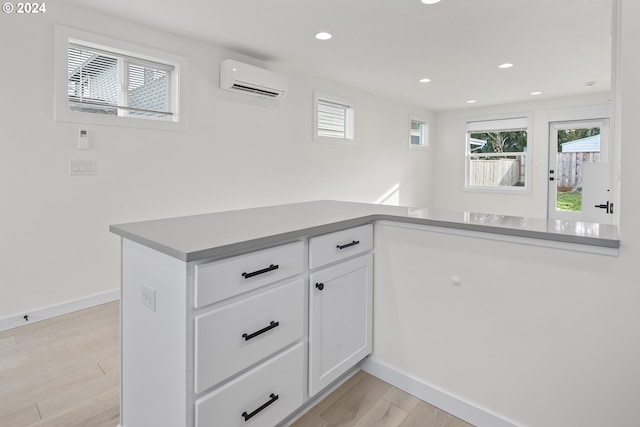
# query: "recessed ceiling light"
x,y
430,1
536,93
471,101
323,36
505,65
425,80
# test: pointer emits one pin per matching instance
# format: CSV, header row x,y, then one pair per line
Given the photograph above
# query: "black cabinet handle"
x,y
348,245
272,398
272,325
320,286
264,270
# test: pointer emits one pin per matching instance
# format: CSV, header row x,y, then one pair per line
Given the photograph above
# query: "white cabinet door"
x,y
340,319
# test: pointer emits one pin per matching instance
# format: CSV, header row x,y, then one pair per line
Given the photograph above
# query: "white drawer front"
x,y
234,337
280,377
333,247
223,279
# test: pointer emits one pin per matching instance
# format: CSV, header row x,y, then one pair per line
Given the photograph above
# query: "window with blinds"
x,y
418,133
333,119
497,155
105,82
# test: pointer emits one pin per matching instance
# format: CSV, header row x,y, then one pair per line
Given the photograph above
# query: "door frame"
x,y
573,116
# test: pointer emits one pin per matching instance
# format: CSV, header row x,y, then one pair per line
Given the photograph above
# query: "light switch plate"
x,y
82,167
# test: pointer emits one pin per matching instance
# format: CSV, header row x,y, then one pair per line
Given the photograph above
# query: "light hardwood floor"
x,y
63,372
366,401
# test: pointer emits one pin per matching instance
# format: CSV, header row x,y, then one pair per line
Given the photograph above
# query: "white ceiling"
x,y
386,46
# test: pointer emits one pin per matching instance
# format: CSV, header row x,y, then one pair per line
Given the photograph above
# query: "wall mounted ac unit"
x,y
236,76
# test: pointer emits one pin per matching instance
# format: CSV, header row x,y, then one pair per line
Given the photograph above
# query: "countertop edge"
x,y
531,234
168,250
231,249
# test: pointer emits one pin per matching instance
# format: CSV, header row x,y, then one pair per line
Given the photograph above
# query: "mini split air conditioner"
x,y
239,77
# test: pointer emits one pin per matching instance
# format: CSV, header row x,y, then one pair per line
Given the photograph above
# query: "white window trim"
x,y
350,120
65,35
524,190
425,132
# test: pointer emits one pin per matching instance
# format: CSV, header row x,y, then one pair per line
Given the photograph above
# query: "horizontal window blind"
x,y
110,83
497,125
417,133
332,119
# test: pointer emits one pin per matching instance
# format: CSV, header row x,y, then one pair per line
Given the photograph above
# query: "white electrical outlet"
x,y
149,298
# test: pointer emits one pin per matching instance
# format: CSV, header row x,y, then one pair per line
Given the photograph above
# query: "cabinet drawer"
x,y
223,279
234,337
333,247
278,384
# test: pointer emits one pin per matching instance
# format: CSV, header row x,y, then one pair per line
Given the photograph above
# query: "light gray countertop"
x,y
213,235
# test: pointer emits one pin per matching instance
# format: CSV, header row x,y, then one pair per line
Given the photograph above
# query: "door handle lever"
x,y
608,206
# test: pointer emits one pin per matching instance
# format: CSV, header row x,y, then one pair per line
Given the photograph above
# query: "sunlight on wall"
x,y
391,197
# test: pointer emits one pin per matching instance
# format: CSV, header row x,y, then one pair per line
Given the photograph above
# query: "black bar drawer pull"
x,y
264,270
273,398
348,245
272,325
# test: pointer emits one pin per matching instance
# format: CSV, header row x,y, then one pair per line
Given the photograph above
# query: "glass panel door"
x,y
579,171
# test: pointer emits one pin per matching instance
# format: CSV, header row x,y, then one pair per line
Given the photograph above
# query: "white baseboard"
x,y
39,314
472,414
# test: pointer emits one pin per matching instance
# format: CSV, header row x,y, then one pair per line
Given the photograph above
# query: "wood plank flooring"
x,y
366,401
64,372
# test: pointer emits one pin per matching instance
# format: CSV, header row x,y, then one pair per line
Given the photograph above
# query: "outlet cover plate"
x,y
149,298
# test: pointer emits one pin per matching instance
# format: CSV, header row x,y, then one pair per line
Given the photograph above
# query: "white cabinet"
x,y
340,314
226,342
223,345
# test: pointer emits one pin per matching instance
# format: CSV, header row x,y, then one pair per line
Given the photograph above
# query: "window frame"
x,y
349,138
64,36
526,188
424,145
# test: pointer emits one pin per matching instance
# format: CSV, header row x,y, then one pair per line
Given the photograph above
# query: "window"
x,y
112,82
334,120
105,83
418,133
497,156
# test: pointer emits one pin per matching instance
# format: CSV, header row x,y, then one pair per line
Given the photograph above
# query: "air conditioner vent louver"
x,y
248,79
255,90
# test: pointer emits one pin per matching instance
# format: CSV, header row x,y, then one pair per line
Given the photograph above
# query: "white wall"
x,y
449,149
55,245
541,337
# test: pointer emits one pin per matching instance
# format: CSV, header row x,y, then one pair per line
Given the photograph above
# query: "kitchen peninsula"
x,y
243,317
